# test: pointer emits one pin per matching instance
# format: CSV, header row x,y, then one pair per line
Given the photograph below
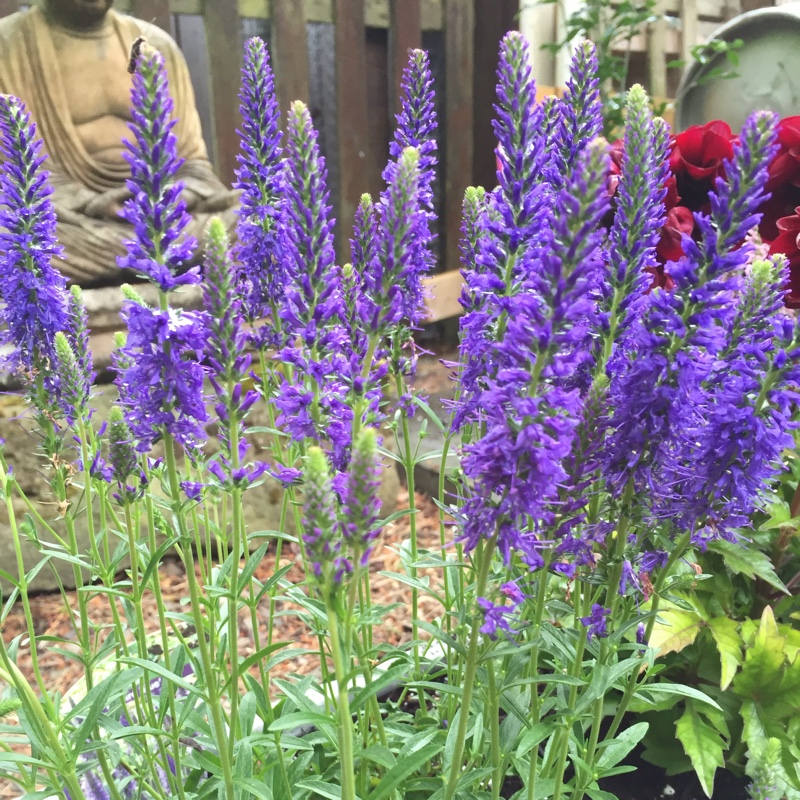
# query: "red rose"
x,y
787,242
783,180
785,167
697,158
679,221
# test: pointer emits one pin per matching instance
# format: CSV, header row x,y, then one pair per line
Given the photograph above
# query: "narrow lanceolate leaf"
x,y
674,630
703,744
760,677
729,644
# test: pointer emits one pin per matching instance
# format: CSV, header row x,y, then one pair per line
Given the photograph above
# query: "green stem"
x,y
196,607
343,704
494,710
541,596
483,556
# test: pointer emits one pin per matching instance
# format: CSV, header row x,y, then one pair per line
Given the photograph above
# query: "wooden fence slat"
x,y
690,33
289,53
458,135
405,33
493,18
352,119
155,11
224,59
656,53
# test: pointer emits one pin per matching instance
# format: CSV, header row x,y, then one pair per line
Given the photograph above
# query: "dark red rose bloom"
x,y
788,243
680,221
784,179
697,159
785,167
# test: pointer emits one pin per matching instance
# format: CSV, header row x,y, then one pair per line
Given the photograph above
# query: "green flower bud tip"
x,y
129,293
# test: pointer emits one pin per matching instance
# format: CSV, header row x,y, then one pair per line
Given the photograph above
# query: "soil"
x,y
652,783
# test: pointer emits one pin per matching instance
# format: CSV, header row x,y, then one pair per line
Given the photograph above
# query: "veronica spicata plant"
x,y
604,434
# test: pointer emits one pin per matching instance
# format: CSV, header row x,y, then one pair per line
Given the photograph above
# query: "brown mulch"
x,y
52,614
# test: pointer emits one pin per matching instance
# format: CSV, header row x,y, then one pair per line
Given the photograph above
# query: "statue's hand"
x,y
107,205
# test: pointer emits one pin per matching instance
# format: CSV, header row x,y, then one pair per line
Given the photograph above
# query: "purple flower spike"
x,y
639,214
359,499
387,296
162,386
34,300
320,535
260,178
581,117
158,214
496,618
416,127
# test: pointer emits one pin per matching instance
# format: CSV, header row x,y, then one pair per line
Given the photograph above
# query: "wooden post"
x,y
657,54
155,11
352,120
690,30
405,33
221,20
289,51
459,31
493,18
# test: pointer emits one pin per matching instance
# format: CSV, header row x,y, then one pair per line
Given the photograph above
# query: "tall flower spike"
x,y
226,336
730,448
530,409
158,250
360,503
313,295
416,127
680,332
401,227
260,178
32,289
320,533
581,118
72,385
638,217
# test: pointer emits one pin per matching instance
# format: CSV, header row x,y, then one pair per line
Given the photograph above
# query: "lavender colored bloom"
x,y
416,128
529,410
681,332
158,214
34,301
640,633
496,618
628,578
581,117
732,446
358,497
73,394
596,622
638,218
162,385
260,178
320,531
390,271
313,403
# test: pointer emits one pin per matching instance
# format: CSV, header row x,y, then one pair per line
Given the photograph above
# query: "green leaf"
x,y
405,767
534,736
329,790
749,562
729,644
302,718
674,630
760,675
681,690
703,744
616,749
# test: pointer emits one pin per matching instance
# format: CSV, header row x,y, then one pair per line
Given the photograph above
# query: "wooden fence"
x,y
369,40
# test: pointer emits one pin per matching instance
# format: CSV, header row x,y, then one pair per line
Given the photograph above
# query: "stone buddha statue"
x,y
68,62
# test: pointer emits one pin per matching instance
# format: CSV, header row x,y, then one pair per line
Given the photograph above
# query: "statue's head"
x,y
79,13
